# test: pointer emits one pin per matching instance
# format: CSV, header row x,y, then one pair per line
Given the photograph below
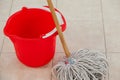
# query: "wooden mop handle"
x,y
50,4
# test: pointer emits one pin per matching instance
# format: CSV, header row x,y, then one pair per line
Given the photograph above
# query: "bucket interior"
x,y
30,23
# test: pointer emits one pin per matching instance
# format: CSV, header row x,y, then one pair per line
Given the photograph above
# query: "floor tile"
x,y
57,57
80,9
12,69
5,6
114,65
18,4
111,13
8,45
83,34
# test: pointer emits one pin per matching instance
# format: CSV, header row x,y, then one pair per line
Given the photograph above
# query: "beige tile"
x,y
57,57
54,78
8,45
83,34
12,69
18,4
111,14
5,6
80,9
114,64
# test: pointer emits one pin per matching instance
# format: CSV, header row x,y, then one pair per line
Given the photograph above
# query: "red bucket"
x,y
33,34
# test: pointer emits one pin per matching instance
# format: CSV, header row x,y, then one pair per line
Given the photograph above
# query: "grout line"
x,y
52,60
113,52
104,34
103,27
56,3
11,7
4,36
2,45
51,76
105,42
51,69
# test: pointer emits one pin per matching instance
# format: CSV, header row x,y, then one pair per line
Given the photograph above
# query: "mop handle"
x,y
50,4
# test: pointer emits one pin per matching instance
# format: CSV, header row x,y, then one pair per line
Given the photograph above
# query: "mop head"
x,y
82,65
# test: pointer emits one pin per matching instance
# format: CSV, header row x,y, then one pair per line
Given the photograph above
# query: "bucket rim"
x,y
51,33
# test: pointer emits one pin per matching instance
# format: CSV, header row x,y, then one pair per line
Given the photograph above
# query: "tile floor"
x,y
92,24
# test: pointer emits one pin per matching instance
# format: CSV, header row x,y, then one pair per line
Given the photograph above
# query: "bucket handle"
x,y
59,16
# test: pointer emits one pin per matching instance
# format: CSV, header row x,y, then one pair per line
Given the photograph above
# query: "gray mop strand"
x,y
82,65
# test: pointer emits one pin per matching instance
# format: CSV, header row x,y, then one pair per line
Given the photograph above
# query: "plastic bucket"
x,y
33,34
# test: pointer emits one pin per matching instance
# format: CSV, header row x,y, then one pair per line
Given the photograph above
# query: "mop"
x,y
83,64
